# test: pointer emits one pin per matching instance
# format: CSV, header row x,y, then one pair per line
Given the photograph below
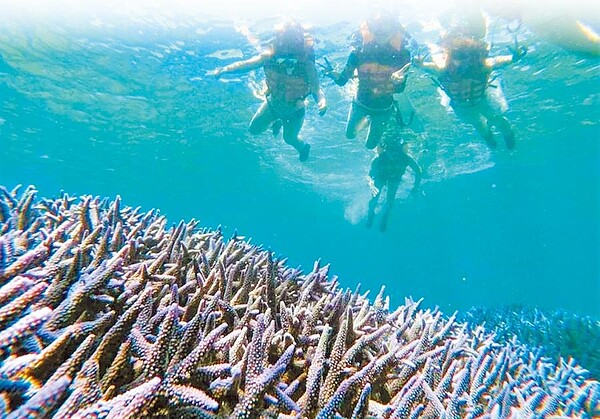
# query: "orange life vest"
x,y
287,76
465,90
376,64
466,81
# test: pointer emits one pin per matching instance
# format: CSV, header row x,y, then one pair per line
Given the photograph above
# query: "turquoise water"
x,y
107,106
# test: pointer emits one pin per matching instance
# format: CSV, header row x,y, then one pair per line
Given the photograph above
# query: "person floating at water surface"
x,y
465,77
380,60
387,169
291,76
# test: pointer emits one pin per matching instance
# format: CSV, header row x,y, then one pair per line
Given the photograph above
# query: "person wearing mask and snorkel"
x,y
465,76
380,60
387,168
291,76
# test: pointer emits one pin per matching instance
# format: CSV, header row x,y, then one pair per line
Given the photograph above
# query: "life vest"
x,y
287,75
376,63
465,81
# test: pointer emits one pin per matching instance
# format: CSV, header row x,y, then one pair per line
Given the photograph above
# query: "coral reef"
x,y
559,333
105,312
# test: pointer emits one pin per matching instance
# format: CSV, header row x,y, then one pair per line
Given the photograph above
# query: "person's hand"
x,y
400,75
419,55
518,52
322,106
372,187
418,60
333,75
217,72
327,68
398,78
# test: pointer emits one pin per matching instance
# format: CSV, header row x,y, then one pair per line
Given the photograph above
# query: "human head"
x,y
383,26
394,147
289,38
464,49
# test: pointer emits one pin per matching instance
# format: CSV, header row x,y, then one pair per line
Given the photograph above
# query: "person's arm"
x,y
517,52
494,63
243,66
315,89
399,77
375,174
347,73
430,67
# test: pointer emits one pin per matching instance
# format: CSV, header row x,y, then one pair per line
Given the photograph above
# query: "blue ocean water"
x,y
108,103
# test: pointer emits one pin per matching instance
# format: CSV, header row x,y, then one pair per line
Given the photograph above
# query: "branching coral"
x,y
105,312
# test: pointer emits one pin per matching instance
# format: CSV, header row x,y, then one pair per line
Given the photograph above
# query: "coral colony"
x,y
107,313
560,333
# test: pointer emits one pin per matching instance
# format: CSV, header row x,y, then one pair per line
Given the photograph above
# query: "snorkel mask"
x,y
289,39
383,27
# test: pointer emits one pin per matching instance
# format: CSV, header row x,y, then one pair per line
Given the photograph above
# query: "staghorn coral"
x,y
105,312
561,334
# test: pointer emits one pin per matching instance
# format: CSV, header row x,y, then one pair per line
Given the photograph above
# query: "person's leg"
x,y
501,122
485,131
377,127
472,115
356,117
291,129
276,127
261,120
392,188
507,132
492,110
373,203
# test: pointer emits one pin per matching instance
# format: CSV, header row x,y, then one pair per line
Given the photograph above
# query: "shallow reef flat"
x,y
107,312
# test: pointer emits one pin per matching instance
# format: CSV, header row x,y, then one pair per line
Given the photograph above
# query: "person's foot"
x,y
510,140
304,152
276,127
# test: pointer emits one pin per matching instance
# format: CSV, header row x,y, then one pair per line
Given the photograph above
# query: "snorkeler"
x,y
381,61
465,77
291,76
387,169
